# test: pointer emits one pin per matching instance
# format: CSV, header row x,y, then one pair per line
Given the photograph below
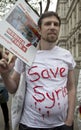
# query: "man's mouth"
x,y
52,33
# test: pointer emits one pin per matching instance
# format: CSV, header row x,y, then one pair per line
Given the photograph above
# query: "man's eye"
x,y
48,23
56,24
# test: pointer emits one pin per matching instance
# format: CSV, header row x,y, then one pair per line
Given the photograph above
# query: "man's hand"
x,y
69,122
5,66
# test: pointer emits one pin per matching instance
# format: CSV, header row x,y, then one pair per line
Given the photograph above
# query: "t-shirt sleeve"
x,y
71,61
19,66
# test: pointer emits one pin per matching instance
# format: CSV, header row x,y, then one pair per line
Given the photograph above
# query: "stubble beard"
x,y
50,39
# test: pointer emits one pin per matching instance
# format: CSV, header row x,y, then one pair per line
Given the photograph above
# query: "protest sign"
x,y
19,31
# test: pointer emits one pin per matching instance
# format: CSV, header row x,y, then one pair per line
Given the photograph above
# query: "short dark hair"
x,y
48,14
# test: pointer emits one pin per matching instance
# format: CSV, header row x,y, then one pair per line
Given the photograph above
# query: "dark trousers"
x,y
5,112
63,127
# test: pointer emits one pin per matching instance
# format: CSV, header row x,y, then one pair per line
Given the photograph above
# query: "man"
x,y
50,94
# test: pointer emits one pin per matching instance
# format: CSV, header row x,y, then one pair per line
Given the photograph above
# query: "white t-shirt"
x,y
46,101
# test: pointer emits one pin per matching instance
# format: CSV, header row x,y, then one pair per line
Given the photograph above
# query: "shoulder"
x,y
19,66
66,56
62,51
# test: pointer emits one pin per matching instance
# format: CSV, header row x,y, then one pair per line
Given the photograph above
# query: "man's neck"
x,y
44,45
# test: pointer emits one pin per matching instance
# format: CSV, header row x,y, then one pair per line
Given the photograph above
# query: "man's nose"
x,y
52,25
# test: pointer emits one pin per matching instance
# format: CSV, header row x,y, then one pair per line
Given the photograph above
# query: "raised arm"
x,y
11,80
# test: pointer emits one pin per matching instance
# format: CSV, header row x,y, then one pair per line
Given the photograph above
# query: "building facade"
x,y
70,32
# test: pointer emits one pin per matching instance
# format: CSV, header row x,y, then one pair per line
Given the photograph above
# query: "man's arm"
x,y
11,81
71,98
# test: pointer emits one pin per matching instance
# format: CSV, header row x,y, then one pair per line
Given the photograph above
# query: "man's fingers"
x,y
12,59
3,63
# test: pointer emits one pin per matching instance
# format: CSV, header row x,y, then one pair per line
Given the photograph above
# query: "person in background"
x,y
4,96
50,94
3,104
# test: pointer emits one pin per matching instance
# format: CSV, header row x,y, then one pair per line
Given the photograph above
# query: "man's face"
x,y
49,30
